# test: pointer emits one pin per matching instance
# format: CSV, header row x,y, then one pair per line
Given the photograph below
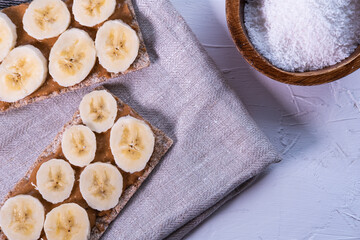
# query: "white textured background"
x,y
314,193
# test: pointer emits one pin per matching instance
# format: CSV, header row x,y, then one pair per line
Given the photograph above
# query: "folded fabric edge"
x,y
189,226
272,155
173,12
183,231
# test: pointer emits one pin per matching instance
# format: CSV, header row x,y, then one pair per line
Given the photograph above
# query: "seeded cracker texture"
x,y
162,145
140,62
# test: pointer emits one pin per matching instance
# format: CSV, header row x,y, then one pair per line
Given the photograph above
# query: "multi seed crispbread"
x,y
103,218
124,11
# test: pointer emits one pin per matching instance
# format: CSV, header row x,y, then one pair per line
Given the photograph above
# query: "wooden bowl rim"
x,y
238,31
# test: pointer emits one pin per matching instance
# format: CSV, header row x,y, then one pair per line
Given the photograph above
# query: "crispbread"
x,y
124,10
104,218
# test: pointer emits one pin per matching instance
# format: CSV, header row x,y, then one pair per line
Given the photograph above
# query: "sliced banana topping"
x,y
8,35
67,222
79,145
101,186
98,110
22,218
72,57
46,18
22,72
55,180
91,12
117,46
132,143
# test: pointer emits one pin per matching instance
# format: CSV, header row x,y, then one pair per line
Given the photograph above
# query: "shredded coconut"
x,y
303,35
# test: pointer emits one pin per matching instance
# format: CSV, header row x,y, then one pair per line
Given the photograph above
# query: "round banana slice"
x,y
22,218
132,143
8,35
79,145
68,221
72,57
98,110
22,72
46,18
101,186
91,12
55,180
117,46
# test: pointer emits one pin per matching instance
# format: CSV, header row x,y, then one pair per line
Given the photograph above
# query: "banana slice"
x,y
98,110
8,35
22,218
72,57
22,72
55,180
101,186
67,222
132,143
79,145
117,46
91,12
46,18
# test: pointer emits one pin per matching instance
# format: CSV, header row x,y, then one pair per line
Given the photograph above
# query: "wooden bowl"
x,y
235,20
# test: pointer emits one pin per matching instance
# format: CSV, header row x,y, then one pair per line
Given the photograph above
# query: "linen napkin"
x,y
217,150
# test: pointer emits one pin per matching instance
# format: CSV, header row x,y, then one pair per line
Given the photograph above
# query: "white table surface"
x,y
314,193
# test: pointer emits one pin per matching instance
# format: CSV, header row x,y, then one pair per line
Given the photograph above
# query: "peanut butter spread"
x,y
16,13
103,154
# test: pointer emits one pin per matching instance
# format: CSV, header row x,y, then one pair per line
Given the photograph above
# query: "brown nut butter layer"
x,y
124,11
99,220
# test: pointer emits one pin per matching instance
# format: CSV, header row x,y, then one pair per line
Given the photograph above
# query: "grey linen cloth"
x,y
217,151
